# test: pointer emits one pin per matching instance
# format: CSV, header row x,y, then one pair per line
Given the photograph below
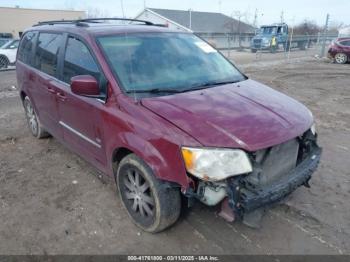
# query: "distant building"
x,y
344,32
218,28
15,20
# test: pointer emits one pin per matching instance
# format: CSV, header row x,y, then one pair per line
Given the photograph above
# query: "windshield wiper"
x,y
193,87
155,91
210,84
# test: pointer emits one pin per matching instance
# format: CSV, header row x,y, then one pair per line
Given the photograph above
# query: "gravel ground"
x,y
53,202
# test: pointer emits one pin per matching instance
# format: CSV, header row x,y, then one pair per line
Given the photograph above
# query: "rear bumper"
x,y
244,199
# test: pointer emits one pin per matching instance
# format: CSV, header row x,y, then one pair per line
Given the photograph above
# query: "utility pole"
x,y
324,36
255,23
239,15
282,17
239,32
122,6
290,39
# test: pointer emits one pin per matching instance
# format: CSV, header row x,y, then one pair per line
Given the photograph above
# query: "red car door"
x,y
43,91
80,117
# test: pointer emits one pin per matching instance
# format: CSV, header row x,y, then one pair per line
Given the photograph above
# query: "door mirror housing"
x,y
85,85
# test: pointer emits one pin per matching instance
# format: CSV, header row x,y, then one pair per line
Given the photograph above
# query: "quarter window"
x,y
26,48
47,52
79,61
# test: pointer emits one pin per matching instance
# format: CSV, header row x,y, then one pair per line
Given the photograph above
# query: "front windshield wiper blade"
x,y
210,84
154,91
193,87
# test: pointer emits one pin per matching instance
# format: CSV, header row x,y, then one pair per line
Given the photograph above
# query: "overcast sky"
x,y
268,11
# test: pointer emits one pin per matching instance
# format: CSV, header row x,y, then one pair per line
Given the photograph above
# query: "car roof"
x,y
101,28
343,38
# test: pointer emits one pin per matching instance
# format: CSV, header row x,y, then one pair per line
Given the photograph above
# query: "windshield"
x,y
172,61
3,42
268,30
12,44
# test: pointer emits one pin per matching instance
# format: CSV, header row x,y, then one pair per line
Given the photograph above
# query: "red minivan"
x,y
166,115
339,50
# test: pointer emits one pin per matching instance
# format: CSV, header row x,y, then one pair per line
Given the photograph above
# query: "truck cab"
x,y
264,35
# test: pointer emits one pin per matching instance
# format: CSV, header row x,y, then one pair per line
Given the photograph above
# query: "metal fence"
x,y
228,41
236,42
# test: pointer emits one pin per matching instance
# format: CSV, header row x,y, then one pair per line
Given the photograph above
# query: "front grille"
x,y
275,162
277,172
257,43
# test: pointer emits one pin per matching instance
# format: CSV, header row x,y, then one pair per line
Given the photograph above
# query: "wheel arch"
x,y
156,158
22,95
117,155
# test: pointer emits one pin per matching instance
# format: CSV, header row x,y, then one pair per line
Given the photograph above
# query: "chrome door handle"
x,y
51,90
61,96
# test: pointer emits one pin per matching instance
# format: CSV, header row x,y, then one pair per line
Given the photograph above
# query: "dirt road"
x,y
52,201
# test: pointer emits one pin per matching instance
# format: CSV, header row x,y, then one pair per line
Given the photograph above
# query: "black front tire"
x,y
151,203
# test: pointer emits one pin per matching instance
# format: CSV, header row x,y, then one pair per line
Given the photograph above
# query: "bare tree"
x,y
307,27
240,16
335,26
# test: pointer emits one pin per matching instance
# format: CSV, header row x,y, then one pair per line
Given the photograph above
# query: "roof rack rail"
x,y
95,20
86,21
53,22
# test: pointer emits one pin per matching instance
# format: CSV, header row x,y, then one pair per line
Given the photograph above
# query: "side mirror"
x,y
85,85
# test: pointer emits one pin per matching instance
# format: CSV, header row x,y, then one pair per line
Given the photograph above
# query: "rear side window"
x,y
79,61
47,52
26,48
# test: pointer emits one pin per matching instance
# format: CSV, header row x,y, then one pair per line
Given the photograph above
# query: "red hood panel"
x,y
246,115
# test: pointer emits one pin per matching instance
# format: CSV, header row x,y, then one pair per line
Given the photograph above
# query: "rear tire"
x,y
34,125
340,58
4,62
150,203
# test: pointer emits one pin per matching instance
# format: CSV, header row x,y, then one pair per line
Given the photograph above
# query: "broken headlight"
x,y
214,164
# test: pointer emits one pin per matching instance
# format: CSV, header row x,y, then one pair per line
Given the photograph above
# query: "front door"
x,y
80,117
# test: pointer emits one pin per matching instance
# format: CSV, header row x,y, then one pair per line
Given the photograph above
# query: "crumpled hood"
x,y
246,115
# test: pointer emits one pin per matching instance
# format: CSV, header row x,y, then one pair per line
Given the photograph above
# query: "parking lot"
x,y
53,202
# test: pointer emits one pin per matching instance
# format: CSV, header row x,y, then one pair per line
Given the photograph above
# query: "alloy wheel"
x,y
138,194
31,117
341,58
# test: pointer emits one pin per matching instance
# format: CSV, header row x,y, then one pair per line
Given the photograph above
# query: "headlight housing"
x,y
214,164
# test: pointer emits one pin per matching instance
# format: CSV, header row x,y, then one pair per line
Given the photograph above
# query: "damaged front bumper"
x,y
244,197
277,172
